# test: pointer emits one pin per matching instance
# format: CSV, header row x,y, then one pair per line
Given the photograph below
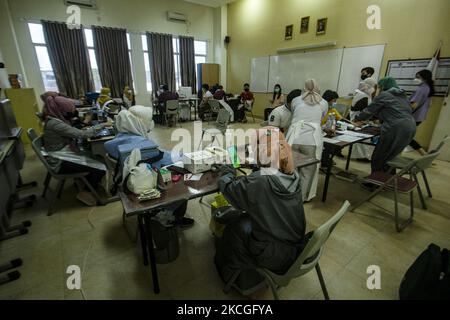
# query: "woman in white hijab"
x,y
305,133
137,120
362,98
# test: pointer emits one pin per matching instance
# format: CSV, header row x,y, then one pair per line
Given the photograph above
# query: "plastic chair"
x,y
172,108
248,107
307,260
401,162
214,108
37,145
221,126
398,184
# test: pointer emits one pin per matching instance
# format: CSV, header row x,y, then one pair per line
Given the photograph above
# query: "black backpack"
x,y
429,276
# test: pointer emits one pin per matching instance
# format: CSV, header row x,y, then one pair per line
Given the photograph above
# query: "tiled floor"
x,y
95,240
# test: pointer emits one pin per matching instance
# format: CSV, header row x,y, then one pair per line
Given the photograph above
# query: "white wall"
x,y
134,15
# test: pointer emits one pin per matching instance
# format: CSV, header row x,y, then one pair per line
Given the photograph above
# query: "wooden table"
x,y
174,193
332,149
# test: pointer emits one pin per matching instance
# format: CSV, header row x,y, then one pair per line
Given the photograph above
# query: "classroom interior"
x,y
232,43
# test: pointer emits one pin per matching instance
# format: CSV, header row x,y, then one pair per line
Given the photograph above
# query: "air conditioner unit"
x,y
84,4
176,17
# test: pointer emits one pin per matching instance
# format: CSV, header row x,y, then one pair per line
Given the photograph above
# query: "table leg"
x,y
349,157
195,110
143,237
151,253
329,159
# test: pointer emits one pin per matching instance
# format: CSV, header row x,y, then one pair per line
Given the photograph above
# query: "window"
x,y
45,66
200,48
93,59
148,76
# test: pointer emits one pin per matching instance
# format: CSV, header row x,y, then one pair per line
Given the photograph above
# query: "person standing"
x,y
421,102
361,100
398,127
305,134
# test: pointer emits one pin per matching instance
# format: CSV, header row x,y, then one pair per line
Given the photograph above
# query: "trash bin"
x,y
165,239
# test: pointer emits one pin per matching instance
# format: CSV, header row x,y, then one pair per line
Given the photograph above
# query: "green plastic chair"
x,y
308,258
401,162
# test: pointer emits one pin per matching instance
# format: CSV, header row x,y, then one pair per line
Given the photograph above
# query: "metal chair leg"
x,y
370,197
419,190
53,198
427,185
46,184
400,226
322,282
94,192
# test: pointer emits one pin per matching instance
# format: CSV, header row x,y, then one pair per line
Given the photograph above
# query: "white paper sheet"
x,y
347,138
358,134
328,140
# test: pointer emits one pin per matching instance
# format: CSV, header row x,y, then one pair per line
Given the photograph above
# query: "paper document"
x,y
358,134
193,177
347,138
328,140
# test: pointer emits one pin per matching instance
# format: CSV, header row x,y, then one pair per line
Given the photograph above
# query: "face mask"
x,y
364,77
417,81
277,90
334,104
246,89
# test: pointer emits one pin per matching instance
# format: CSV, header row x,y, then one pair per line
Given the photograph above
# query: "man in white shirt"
x,y
281,116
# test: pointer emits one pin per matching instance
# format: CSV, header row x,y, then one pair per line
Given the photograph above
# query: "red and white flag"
x,y
434,63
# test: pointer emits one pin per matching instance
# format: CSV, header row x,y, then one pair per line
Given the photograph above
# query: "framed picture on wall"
x,y
304,25
321,26
289,32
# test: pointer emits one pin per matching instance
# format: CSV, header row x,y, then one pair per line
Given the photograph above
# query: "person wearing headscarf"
x,y
363,97
59,141
305,134
398,127
128,97
104,97
265,232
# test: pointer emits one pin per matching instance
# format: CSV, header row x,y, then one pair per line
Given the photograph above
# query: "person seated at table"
x,y
104,97
331,97
247,98
165,96
281,116
204,104
133,126
277,100
128,97
59,141
398,126
267,232
220,94
215,88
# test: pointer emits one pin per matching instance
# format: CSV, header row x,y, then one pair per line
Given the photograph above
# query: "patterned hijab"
x,y
312,93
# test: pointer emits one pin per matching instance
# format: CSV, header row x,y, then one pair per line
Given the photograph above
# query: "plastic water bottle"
x,y
331,121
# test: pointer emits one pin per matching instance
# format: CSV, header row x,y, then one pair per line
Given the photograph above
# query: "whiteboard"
x,y
292,70
259,74
353,61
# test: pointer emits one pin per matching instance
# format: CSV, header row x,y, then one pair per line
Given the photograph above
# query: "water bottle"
x,y
333,121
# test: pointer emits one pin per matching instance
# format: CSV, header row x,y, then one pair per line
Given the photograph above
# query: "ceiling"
x,y
210,3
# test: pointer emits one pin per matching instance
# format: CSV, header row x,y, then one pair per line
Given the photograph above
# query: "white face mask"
x,y
417,81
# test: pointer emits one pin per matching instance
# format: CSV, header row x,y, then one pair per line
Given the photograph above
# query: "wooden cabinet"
x,y
25,106
208,73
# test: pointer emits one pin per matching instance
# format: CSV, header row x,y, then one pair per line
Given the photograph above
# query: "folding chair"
x,y
215,107
221,126
172,109
401,162
306,261
398,184
61,178
248,107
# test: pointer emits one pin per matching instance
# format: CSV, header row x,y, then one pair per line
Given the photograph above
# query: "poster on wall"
x,y
404,71
289,32
321,26
304,25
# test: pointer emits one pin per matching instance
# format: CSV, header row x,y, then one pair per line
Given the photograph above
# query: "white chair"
x,y
248,107
172,109
221,126
214,109
306,261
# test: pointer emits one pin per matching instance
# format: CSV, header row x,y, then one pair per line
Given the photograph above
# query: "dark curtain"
x,y
161,58
111,50
69,57
187,63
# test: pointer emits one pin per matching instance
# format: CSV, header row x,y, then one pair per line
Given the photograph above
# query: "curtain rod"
x,y
128,30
